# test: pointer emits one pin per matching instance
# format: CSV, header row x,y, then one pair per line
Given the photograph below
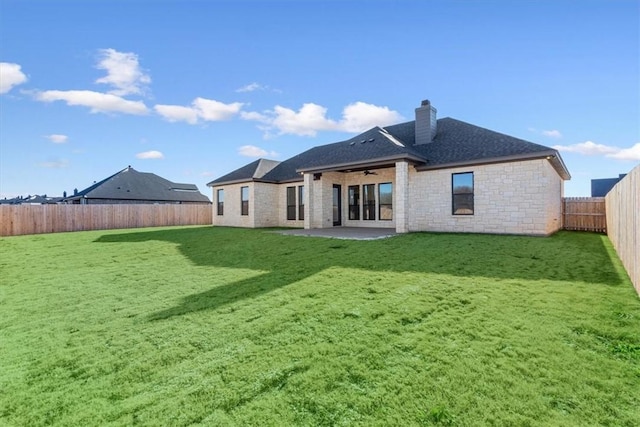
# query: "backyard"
x,y
221,326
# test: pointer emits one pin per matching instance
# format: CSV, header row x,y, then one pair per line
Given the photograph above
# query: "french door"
x,y
337,205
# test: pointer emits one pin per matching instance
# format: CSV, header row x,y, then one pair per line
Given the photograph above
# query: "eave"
x,y
552,155
364,164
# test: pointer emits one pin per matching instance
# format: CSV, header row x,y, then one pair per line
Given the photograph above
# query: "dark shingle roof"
x,y
369,146
36,199
253,170
129,184
456,142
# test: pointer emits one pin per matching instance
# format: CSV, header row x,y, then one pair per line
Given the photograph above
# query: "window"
x,y
369,202
354,202
462,193
244,199
301,202
291,203
385,201
220,200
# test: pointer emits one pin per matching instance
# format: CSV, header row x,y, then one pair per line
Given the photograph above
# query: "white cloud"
x,y
250,87
57,139
177,113
214,111
359,116
55,164
590,148
556,134
552,133
10,76
98,102
312,118
253,151
255,116
632,153
153,154
201,108
123,72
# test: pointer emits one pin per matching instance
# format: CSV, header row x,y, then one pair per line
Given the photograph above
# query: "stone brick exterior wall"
x,y
511,198
267,206
232,205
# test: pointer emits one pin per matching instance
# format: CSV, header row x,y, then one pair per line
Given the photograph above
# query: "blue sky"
x,y
191,90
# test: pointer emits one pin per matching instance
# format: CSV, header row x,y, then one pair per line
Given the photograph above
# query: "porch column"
x,y
308,199
401,208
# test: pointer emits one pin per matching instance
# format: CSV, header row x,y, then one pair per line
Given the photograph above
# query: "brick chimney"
x,y
426,124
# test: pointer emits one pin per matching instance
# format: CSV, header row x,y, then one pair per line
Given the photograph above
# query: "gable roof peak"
x,y
252,171
264,166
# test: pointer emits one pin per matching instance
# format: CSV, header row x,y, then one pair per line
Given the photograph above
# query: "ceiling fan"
x,y
368,172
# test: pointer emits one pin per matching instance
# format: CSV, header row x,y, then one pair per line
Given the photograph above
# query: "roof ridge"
x,y
99,183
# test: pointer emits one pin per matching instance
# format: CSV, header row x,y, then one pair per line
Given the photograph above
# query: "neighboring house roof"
x,y
600,187
32,200
129,184
14,201
456,143
42,200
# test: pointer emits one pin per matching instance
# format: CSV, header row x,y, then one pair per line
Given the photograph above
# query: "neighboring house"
x,y
32,200
132,187
13,201
425,175
600,187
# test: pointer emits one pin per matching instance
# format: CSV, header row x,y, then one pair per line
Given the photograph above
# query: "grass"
x,y
221,326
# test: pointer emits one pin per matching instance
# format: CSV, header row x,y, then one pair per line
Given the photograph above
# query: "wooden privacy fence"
x,y
36,219
623,219
584,214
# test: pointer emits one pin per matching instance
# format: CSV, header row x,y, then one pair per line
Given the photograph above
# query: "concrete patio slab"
x,y
346,233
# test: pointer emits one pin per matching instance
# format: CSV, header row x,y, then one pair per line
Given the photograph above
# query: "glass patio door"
x,y
337,205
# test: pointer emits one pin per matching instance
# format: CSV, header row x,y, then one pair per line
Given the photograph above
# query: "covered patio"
x,y
345,233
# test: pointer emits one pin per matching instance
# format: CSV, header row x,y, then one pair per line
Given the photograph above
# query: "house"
x,y
132,187
600,187
429,174
32,200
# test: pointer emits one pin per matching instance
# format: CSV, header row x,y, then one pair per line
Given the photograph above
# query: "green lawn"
x,y
221,326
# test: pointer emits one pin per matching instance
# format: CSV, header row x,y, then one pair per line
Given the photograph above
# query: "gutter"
x,y
247,180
